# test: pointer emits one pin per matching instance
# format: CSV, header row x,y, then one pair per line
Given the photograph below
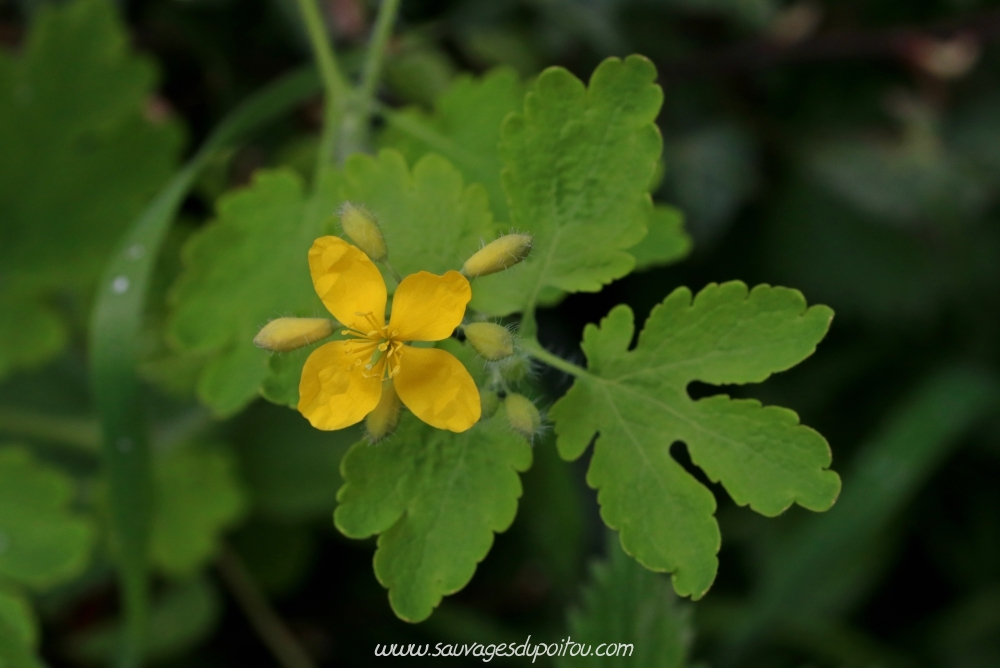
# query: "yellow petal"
x,y
348,282
331,394
428,307
437,388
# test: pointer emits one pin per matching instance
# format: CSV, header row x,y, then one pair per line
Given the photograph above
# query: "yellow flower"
x,y
342,381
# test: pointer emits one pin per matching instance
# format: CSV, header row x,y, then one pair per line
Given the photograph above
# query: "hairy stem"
x,y
265,621
535,349
335,89
355,125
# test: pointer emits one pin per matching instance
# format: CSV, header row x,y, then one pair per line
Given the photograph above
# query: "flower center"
x,y
375,350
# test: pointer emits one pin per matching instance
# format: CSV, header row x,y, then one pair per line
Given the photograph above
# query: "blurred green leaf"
x,y
16,612
710,174
42,541
242,270
78,159
292,471
468,117
435,498
577,163
665,242
14,652
277,555
822,569
625,603
637,400
916,179
180,618
818,243
198,495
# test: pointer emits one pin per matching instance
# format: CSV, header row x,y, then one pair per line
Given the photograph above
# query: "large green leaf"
x,y
42,541
637,400
435,498
627,606
197,496
577,165
251,264
465,127
78,159
245,268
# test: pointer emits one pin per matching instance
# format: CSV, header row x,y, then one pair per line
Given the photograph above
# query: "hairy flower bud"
x,y
362,228
490,340
522,415
498,255
382,421
490,402
284,334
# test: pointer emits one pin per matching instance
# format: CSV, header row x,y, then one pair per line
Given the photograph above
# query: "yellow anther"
x,y
362,228
498,255
490,340
284,334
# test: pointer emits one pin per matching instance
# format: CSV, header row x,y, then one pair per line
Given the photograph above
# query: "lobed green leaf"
x,y
577,165
197,496
637,401
42,541
79,157
435,498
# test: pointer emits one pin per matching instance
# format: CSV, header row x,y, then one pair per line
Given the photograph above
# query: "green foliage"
x,y
197,496
78,159
465,127
250,265
244,269
637,399
16,612
665,241
435,498
577,164
180,618
625,603
292,471
42,541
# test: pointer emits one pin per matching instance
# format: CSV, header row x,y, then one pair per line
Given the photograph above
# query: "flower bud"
x,y
284,334
522,415
362,228
498,255
490,340
490,402
382,421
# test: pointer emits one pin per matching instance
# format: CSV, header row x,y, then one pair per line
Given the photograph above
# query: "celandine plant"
x,y
574,165
407,275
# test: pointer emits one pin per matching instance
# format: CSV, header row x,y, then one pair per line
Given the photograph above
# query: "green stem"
x,y
79,434
265,621
115,325
534,349
334,86
376,52
355,124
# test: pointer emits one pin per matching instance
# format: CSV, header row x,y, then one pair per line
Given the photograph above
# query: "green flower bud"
x,y
284,334
498,255
522,415
492,341
363,230
490,402
382,421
